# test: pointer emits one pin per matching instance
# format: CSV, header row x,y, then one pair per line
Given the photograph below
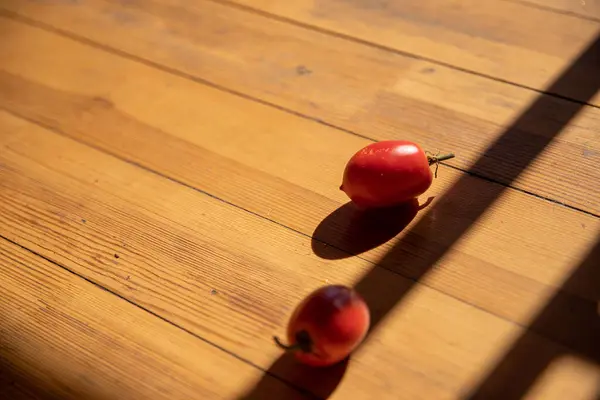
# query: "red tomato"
x,y
388,173
327,326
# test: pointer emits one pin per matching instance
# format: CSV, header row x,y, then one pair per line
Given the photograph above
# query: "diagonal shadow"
x,y
516,373
465,202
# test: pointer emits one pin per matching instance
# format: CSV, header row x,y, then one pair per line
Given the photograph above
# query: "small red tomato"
x,y
388,173
327,326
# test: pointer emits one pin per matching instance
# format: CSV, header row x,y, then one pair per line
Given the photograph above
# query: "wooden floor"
x,y
169,192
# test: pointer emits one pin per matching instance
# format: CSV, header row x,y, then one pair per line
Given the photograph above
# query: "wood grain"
x,y
494,38
181,134
233,278
225,272
369,91
582,8
65,338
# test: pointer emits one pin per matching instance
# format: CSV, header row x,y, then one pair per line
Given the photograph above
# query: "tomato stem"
x,y
428,202
437,159
303,343
284,346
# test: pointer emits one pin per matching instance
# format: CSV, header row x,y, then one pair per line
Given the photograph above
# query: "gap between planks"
x,y
564,11
160,175
305,394
199,80
404,53
125,177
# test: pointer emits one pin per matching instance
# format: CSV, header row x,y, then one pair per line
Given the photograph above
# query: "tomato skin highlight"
x,y
328,325
387,173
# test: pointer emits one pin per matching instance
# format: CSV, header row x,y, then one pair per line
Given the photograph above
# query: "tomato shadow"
x,y
288,379
464,204
355,231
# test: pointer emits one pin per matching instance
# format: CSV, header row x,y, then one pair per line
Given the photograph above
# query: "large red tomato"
x,y
327,326
388,173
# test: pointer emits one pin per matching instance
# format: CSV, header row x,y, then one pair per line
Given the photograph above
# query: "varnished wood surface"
x,y
504,40
378,94
583,8
81,342
186,157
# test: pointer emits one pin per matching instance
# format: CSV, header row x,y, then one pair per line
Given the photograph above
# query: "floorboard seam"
x,y
160,317
205,82
393,50
555,10
374,264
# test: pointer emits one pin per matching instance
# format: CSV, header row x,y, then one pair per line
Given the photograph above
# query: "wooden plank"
x,y
11,388
366,90
260,175
181,133
233,278
65,338
493,38
582,8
